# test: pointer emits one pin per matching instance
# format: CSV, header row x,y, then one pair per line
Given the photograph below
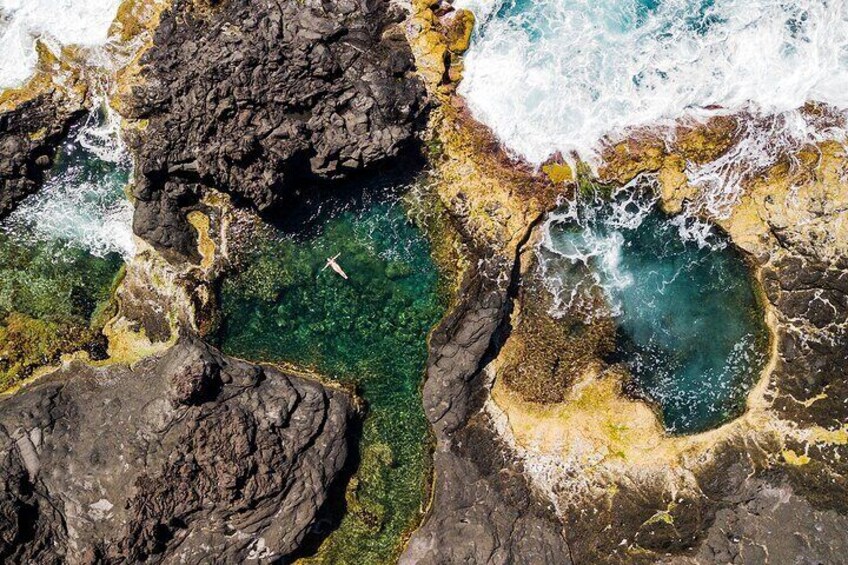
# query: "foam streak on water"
x,y
586,266
56,22
560,75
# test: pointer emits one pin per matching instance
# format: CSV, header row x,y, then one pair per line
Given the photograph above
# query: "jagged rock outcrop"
x,y
186,457
30,133
484,509
266,101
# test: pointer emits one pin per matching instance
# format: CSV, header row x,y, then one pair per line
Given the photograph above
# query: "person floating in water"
x,y
331,262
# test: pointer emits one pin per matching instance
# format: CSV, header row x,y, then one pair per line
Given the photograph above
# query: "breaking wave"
x,y
55,22
689,327
82,202
559,76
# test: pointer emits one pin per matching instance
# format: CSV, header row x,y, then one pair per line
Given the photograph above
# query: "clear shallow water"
x,y
559,75
371,331
56,22
61,252
691,329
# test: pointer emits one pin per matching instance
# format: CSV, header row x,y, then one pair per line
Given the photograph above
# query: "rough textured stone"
x,y
771,524
511,487
30,132
484,510
188,457
267,101
459,345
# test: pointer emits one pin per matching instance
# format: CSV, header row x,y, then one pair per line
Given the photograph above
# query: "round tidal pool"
x,y
690,324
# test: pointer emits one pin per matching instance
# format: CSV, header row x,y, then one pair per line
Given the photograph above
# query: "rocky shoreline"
x,y
267,109
34,120
227,111
655,498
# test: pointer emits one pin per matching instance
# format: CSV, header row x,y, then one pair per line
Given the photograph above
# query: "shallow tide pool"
x,y
61,252
369,331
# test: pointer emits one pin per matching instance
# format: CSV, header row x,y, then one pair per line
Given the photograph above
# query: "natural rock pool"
x,y
369,330
690,326
61,252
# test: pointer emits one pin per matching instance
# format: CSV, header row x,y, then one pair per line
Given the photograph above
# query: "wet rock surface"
x,y
30,133
267,101
771,489
769,522
811,296
484,509
183,456
190,453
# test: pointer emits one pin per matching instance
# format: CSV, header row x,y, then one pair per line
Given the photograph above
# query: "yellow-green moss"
x,y
545,355
793,458
558,172
205,245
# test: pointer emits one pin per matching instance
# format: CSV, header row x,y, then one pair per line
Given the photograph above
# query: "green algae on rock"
x,y
369,330
51,302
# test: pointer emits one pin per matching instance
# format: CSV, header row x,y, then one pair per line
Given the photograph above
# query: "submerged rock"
x,y
180,457
266,102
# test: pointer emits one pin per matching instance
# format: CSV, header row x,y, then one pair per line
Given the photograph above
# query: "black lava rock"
x,y
267,101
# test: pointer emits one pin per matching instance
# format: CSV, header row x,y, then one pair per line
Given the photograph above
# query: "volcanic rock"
x,y
187,457
266,101
30,133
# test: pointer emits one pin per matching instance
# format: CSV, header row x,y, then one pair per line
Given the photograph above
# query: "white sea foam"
x,y
80,208
584,266
56,22
560,75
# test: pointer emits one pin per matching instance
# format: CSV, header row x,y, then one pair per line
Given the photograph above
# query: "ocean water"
x,y
369,331
560,75
82,204
56,22
690,327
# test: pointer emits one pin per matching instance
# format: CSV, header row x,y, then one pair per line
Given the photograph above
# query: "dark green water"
x,y
53,282
369,330
60,253
691,328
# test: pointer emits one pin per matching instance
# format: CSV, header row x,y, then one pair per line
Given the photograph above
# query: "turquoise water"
x,y
82,205
369,331
61,252
691,329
